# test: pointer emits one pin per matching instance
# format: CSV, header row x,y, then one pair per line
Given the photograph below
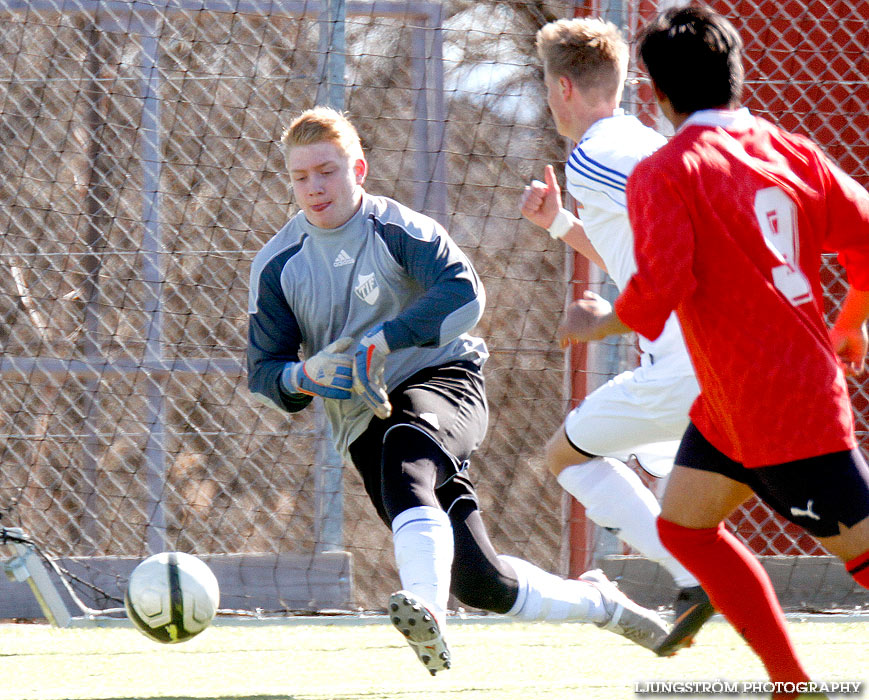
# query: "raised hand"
x,y
541,201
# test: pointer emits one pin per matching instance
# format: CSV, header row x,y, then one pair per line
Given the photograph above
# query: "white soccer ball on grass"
x,y
172,597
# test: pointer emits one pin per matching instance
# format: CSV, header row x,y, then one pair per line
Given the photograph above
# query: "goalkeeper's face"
x,y
327,183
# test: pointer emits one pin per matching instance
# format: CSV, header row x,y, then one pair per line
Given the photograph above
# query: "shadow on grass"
x,y
373,695
200,697
354,696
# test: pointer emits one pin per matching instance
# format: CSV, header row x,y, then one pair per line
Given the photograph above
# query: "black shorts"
x,y
447,404
816,493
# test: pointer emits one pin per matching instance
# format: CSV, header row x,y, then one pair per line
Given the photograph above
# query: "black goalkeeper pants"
x,y
419,457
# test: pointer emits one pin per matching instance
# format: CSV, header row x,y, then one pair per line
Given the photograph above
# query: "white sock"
x,y
545,596
615,498
423,541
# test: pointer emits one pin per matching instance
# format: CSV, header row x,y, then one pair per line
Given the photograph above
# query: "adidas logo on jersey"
x,y
343,259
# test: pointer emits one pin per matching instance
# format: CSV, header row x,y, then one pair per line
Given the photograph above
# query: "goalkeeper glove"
x,y
329,373
368,365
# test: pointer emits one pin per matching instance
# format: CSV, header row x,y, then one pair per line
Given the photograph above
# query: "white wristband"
x,y
561,224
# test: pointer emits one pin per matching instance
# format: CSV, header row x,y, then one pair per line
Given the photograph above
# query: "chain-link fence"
x,y
142,172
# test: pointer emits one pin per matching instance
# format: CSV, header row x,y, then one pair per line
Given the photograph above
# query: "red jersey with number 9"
x,y
730,220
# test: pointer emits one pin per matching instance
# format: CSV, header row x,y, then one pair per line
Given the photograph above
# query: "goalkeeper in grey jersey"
x,y
380,299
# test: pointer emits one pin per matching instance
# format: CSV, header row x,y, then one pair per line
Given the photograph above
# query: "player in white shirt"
x,y
643,412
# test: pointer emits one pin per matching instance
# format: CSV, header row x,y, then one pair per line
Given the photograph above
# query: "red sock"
x,y
858,567
740,589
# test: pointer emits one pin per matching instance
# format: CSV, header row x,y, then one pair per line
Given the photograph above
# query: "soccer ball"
x,y
171,597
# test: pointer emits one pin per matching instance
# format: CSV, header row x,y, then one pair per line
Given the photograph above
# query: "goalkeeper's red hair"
x,y
323,124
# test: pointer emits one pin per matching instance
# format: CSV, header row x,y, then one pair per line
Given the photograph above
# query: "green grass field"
x,y
297,661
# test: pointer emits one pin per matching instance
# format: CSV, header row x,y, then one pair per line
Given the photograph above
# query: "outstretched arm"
x,y
848,234
540,203
451,304
453,297
276,375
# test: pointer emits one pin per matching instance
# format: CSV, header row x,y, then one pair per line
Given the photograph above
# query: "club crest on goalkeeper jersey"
x,y
388,264
596,174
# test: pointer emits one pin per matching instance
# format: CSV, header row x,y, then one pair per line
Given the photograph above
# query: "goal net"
x,y
142,172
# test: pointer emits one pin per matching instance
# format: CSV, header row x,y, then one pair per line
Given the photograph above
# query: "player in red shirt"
x,y
730,219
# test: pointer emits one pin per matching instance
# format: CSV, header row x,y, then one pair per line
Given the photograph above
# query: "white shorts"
x,y
637,413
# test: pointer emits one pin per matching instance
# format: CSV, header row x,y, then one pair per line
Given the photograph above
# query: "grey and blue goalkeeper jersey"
x,y
388,264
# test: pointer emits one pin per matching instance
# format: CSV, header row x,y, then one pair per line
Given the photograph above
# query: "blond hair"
x,y
591,52
323,124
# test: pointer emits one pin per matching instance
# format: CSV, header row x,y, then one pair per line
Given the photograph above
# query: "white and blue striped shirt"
x,y
596,174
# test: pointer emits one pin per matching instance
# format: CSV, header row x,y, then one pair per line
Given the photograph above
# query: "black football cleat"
x,y
692,610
